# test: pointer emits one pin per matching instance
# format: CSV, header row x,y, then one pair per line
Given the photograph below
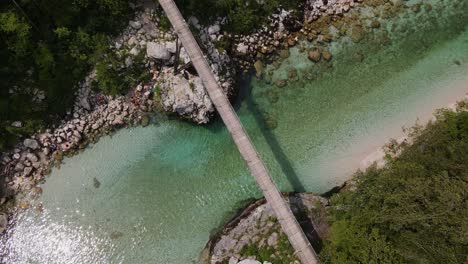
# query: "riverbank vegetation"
x,y
242,16
414,209
46,48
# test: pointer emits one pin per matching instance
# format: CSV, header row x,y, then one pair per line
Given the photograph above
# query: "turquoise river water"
x,y
165,188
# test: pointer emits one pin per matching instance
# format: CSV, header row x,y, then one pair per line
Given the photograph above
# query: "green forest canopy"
x,y
50,45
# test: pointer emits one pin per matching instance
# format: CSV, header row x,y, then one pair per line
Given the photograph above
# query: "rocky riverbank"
x,y
255,232
181,91
26,166
174,88
284,29
95,114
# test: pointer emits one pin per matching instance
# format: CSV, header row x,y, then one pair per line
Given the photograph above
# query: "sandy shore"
x,y
363,155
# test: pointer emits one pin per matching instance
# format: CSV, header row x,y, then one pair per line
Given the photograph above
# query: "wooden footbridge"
x,y
288,222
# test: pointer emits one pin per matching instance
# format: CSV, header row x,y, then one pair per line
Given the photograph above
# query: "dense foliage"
x,y
243,15
415,209
49,45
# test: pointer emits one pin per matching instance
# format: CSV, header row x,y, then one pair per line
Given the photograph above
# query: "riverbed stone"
x,y
32,157
145,120
314,55
19,166
375,23
357,33
281,83
31,143
284,54
326,55
258,65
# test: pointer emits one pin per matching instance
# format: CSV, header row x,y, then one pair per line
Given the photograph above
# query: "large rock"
x,y
249,261
186,97
171,46
31,143
315,55
214,29
157,51
326,55
84,103
32,157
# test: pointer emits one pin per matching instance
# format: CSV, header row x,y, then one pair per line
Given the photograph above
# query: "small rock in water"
x,y
24,204
284,53
116,235
96,183
145,121
326,55
375,24
457,62
281,83
315,55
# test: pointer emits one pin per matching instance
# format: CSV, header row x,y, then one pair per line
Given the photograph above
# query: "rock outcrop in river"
x,y
255,231
163,53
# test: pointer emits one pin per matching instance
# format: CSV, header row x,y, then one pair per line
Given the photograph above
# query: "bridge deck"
x,y
288,222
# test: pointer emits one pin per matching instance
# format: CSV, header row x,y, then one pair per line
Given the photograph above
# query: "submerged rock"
x,y
284,54
258,65
145,120
357,33
375,24
327,56
281,83
314,55
96,183
116,235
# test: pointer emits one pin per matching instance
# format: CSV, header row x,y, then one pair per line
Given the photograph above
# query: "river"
x,y
154,194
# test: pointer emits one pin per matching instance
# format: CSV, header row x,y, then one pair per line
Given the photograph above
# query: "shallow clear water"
x,y
164,188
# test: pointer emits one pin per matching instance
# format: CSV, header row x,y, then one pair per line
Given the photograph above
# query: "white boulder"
x,y
31,143
214,29
157,51
249,261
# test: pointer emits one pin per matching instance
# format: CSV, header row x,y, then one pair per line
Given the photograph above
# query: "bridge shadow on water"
x,y
245,95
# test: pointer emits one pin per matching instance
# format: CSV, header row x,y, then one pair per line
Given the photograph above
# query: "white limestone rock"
x,y
135,24
242,48
31,143
186,97
157,51
249,261
17,124
214,29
